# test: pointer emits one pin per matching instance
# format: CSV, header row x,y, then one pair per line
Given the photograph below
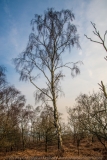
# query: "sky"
x,y
15,18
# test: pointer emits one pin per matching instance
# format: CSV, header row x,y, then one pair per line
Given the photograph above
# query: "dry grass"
x,y
88,151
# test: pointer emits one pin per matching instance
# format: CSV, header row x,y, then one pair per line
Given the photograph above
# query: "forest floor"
x,y
87,151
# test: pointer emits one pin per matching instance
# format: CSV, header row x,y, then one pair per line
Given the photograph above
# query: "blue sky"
x,y
15,18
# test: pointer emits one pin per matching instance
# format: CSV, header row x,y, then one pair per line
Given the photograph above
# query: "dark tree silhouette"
x,y
2,77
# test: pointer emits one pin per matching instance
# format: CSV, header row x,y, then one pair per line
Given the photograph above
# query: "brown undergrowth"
x,y
87,151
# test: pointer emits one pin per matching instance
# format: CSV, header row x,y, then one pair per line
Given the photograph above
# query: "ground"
x,y
87,151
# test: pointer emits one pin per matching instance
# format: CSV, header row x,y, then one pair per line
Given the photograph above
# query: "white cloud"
x,y
90,73
80,53
13,38
6,9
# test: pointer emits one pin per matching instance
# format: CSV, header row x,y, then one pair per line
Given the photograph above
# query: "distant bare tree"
x,y
47,126
76,128
93,116
3,83
2,77
53,35
10,108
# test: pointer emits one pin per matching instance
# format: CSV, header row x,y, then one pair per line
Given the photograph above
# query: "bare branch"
x,y
39,88
105,35
102,87
92,40
96,32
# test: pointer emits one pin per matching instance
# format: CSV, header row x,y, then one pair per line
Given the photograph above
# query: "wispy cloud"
x,y
6,9
80,53
90,73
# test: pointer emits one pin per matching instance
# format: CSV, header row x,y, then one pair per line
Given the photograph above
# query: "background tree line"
x,y
23,126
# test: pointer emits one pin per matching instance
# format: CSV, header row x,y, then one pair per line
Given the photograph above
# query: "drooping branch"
x,y
74,68
40,89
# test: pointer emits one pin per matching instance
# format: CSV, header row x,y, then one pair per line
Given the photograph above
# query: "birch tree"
x,y
52,34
